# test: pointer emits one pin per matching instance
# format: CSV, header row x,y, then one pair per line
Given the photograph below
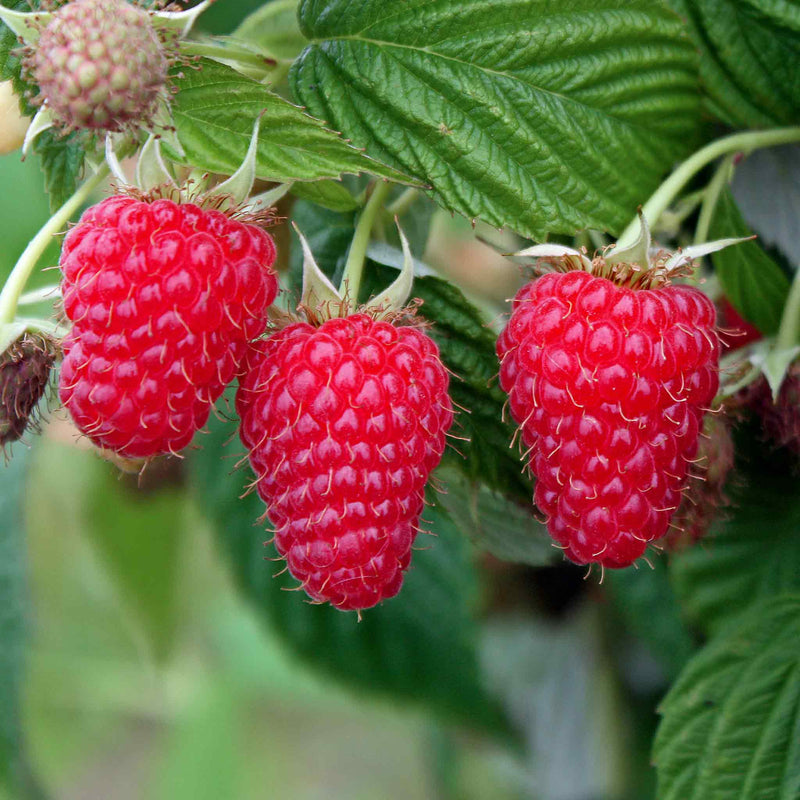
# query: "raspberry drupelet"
x,y
164,298
609,386
344,423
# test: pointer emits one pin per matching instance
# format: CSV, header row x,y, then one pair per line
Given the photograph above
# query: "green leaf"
x,y
12,613
10,64
647,604
731,724
332,195
754,283
138,534
751,556
749,58
505,528
214,111
62,163
419,646
273,28
540,116
483,451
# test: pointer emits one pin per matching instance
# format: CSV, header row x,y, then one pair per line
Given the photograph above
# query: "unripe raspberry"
x,y
24,375
705,498
100,65
344,424
164,298
609,385
780,418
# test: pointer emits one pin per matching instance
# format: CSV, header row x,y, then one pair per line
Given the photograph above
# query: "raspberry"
x,y
164,298
609,386
99,64
779,417
24,375
344,424
706,499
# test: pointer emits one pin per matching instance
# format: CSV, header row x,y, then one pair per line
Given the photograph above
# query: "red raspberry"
x,y
609,386
344,424
164,298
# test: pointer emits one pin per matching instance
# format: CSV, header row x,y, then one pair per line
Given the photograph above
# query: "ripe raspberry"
x,y
609,386
344,423
164,298
99,64
24,375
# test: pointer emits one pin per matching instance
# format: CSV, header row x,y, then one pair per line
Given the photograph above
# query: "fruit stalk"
x,y
351,279
737,142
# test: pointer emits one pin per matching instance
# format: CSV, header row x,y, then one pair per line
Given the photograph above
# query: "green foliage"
x,y
61,158
332,195
731,723
421,647
215,109
750,58
506,528
748,557
754,283
533,115
12,613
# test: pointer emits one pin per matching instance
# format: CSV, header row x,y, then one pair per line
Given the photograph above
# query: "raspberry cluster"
x,y
164,298
100,65
344,423
609,386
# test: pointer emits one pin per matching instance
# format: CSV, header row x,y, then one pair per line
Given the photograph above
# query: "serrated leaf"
x,y
329,194
12,613
505,528
214,110
647,604
10,65
731,724
540,116
749,58
751,556
419,646
62,159
754,283
274,29
483,451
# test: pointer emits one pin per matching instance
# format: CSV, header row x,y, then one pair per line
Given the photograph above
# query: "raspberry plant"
x,y
248,225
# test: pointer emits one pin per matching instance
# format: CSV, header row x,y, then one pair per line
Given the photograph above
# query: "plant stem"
x,y
736,143
789,330
351,278
15,285
399,207
711,198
